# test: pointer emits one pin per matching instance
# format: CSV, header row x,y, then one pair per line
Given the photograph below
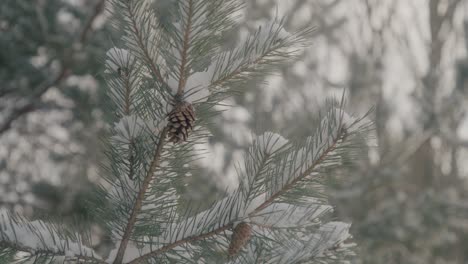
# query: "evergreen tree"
x,y
167,76
49,101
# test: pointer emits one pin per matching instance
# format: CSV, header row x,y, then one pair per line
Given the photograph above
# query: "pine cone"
x,y
240,236
181,121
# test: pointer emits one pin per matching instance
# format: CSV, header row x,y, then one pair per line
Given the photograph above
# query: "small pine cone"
x,y
181,121
240,236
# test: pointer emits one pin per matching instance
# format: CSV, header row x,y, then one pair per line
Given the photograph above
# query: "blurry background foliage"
x,y
50,100
407,201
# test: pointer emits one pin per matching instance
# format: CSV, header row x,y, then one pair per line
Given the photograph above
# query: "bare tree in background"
x,y
408,205
406,58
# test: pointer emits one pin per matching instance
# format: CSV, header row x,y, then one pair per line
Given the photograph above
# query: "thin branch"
x,y
259,208
140,197
128,92
143,47
263,226
98,8
184,51
31,104
287,187
131,159
238,71
261,167
131,145
181,242
244,67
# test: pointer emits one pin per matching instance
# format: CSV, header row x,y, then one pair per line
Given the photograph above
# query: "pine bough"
x,y
173,50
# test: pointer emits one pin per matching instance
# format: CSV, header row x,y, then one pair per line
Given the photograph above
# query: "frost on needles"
x,y
171,53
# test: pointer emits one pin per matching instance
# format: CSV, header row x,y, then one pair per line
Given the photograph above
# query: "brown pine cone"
x,y
181,121
240,236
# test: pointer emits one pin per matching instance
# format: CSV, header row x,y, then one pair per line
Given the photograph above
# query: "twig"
x,y
184,51
287,187
180,242
31,104
239,69
140,197
89,23
261,225
127,97
141,44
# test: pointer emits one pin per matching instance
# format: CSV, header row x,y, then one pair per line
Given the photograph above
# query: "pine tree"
x,y
166,77
49,101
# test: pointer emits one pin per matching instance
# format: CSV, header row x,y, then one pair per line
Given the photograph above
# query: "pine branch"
x,y
263,164
310,247
307,172
185,49
218,230
181,242
31,105
131,159
128,92
260,156
131,145
259,54
288,216
43,241
139,199
128,83
242,68
44,254
141,44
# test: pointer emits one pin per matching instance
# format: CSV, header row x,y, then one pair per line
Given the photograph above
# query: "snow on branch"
x,y
260,54
142,38
23,240
300,247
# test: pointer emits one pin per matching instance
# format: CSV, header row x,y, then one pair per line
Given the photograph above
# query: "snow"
x,y
296,249
234,209
117,57
336,233
86,83
283,215
197,85
219,215
57,97
45,236
271,142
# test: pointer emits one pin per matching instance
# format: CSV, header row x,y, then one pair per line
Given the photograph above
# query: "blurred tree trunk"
x,y
423,168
